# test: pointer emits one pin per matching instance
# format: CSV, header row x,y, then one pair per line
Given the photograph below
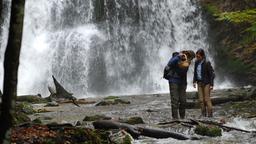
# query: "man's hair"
x,y
189,53
201,52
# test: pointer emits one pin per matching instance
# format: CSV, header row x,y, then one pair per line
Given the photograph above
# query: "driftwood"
x,y
208,122
252,116
138,131
61,92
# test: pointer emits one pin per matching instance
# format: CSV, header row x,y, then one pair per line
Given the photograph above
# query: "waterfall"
x,y
105,47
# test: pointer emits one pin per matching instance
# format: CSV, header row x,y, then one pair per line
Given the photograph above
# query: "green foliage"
x,y
246,16
37,121
20,117
238,17
212,9
233,65
250,35
211,131
25,108
127,140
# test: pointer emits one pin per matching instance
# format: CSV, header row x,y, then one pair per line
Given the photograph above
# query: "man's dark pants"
x,y
178,99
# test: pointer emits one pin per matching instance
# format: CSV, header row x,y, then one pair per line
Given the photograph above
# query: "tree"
x,y
11,64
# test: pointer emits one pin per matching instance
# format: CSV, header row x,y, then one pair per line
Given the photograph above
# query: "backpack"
x,y
167,72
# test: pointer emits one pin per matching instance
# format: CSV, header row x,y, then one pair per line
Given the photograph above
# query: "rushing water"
x,y
103,47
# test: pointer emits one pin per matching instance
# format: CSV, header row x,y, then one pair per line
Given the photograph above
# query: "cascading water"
x,y
103,47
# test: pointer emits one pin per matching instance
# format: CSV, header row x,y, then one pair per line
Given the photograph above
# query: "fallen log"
x,y
108,124
137,131
252,116
158,133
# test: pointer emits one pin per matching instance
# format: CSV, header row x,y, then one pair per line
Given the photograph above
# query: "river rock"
x,y
133,120
25,107
121,137
112,102
52,104
96,117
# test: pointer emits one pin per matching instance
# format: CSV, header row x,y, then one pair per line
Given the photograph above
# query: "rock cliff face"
x,y
232,36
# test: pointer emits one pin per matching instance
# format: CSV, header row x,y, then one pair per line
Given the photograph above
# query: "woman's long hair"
x,y
201,53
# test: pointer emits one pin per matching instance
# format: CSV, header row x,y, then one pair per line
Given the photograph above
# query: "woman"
x,y
203,77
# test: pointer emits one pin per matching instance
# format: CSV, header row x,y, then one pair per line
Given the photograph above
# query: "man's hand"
x,y
194,85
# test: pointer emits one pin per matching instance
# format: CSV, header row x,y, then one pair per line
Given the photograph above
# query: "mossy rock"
x,y
121,137
42,111
31,99
134,120
209,130
25,108
21,117
112,102
52,104
111,97
96,117
37,121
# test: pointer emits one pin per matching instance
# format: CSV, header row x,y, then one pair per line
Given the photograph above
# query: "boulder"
x,y
133,120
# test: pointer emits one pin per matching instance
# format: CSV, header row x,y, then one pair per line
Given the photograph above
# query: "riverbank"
x,y
155,108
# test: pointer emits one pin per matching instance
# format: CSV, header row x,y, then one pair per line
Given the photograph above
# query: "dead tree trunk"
x,y
61,92
11,63
137,131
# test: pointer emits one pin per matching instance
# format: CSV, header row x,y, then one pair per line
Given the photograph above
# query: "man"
x,y
203,77
179,65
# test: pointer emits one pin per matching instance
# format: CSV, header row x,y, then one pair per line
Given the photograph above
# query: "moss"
x,y
211,131
246,16
20,118
134,120
120,101
127,140
97,137
111,97
25,107
37,121
31,99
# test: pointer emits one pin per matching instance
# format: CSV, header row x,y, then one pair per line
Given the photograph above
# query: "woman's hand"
x,y
194,85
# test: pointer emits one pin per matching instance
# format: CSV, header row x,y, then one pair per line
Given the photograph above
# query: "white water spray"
x,y
123,52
